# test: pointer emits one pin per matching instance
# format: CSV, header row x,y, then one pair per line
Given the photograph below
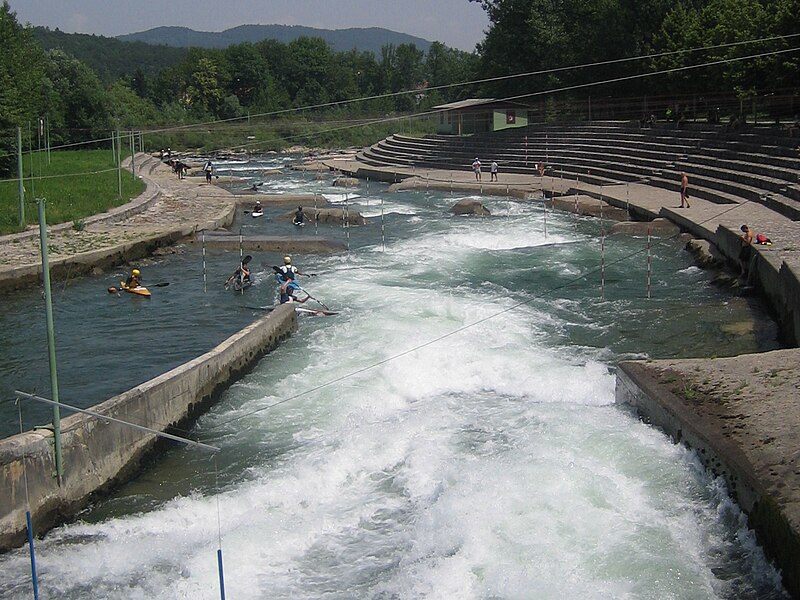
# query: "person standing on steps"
x,y
684,190
476,166
493,171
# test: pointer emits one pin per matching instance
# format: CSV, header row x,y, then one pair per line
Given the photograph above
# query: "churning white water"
x,y
450,434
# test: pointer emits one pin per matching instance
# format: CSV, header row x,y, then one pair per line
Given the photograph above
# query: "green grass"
x,y
75,184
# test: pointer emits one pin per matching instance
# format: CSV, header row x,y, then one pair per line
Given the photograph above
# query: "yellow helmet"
x,y
287,260
135,272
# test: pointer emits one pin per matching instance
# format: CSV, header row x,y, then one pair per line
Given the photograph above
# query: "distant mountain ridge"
x,y
370,39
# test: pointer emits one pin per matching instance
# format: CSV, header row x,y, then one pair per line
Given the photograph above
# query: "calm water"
x,y
450,434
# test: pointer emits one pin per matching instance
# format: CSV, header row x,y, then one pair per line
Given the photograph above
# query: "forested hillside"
x,y
109,57
370,39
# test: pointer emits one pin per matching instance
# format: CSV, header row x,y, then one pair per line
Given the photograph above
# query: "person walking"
x,y
684,190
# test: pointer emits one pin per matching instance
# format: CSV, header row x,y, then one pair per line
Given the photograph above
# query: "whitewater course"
x,y
521,405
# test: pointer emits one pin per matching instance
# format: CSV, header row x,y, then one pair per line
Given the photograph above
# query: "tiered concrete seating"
x,y
758,164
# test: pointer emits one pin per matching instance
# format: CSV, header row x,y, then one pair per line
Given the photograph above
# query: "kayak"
x,y
315,311
139,290
255,215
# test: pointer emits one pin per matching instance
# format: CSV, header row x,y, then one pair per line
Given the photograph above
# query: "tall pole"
x,y
133,161
119,164
51,341
20,187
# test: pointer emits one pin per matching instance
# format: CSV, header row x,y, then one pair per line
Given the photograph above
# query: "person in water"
x,y
299,217
242,273
258,208
285,276
746,251
134,280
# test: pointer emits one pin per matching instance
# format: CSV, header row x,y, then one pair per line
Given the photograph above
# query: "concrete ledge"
x,y
98,455
281,244
752,468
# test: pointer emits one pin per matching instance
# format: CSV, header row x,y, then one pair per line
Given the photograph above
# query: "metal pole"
x,y
316,215
119,164
383,229
347,219
47,137
221,575
133,156
205,277
20,186
51,342
648,263
34,577
603,266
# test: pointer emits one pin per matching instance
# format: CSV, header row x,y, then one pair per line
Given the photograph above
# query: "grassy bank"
x,y
258,135
75,183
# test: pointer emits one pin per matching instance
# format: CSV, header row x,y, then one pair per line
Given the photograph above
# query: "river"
x,y
451,433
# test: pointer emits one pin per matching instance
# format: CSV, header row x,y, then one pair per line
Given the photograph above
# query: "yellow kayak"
x,y
139,290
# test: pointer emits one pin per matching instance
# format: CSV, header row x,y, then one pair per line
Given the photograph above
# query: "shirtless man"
x,y
684,190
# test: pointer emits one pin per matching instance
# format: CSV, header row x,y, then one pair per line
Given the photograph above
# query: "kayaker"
x,y
257,209
242,273
299,217
134,280
285,276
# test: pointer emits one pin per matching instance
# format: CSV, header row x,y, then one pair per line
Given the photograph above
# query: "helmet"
x,y
135,272
258,201
287,260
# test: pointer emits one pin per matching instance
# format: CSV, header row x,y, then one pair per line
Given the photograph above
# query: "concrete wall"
x,y
97,454
659,407
777,273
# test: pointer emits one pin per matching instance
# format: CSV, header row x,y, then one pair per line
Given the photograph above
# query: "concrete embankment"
x,y
98,454
741,416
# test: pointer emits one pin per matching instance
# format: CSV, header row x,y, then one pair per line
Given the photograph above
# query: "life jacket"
x,y
287,272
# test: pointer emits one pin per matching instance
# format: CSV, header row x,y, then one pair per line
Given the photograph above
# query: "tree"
x,y
76,100
21,73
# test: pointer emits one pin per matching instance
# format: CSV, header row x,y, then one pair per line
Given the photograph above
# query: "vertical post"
x,y
34,578
119,163
20,186
603,265
133,155
114,148
47,137
203,242
316,215
51,342
383,229
347,219
648,263
221,575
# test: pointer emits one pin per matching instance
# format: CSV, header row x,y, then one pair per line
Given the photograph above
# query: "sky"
x,y
456,23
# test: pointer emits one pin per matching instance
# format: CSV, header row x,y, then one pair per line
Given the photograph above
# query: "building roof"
x,y
479,103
